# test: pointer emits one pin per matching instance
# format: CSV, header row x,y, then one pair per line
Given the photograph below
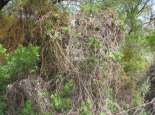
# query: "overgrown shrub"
x,y
88,51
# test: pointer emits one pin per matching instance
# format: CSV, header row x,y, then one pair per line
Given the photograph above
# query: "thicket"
x,y
93,62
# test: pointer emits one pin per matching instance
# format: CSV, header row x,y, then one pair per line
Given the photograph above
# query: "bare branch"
x,y
143,7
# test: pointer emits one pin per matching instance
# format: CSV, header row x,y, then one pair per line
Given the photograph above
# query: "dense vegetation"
x,y
91,58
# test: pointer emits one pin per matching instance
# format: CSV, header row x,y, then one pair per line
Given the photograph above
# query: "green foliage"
x,y
91,7
109,93
102,113
94,43
137,98
144,87
61,101
27,109
23,60
143,113
68,88
2,82
150,41
57,102
117,56
86,107
2,50
134,52
111,105
65,29
2,106
3,54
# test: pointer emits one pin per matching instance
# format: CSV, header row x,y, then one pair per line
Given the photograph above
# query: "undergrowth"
x,y
91,67
22,61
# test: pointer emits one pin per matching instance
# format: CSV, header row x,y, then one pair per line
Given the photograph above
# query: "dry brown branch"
x,y
33,89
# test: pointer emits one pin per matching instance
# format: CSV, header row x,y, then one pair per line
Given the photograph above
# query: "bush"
x,y
23,60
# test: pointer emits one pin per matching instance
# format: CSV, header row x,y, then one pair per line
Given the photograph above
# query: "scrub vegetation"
x,y
90,57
